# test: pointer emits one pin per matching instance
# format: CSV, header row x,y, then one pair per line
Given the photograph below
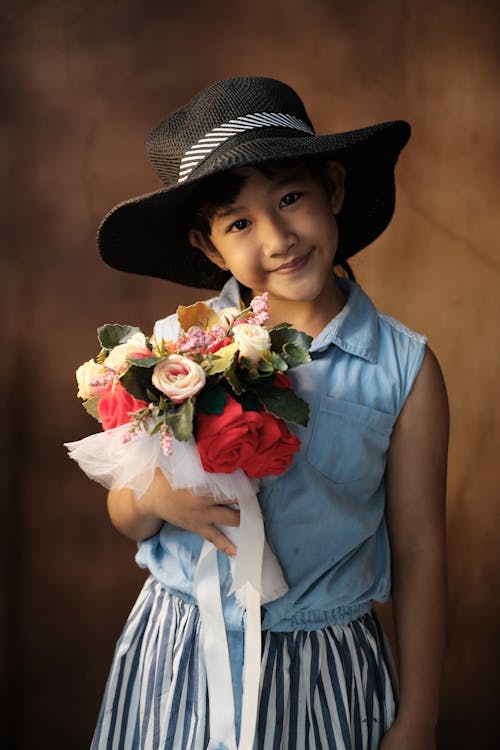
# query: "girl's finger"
x,y
219,540
224,516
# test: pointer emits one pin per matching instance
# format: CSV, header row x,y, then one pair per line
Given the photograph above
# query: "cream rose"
x,y
252,341
85,375
178,378
117,358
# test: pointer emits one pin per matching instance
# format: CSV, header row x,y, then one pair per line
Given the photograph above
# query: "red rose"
x,y
282,381
275,450
256,442
115,405
219,344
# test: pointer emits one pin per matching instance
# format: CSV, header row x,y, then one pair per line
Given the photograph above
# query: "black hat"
x,y
234,123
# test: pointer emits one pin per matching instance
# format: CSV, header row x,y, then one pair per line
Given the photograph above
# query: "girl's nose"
x,y
277,236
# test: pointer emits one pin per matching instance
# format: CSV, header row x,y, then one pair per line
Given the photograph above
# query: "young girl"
x,y
254,201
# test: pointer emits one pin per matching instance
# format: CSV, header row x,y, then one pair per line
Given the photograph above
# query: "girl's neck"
x,y
310,316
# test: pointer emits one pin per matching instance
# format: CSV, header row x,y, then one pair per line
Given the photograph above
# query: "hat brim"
x,y
145,235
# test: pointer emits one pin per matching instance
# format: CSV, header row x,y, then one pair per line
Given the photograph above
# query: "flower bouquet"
x,y
210,410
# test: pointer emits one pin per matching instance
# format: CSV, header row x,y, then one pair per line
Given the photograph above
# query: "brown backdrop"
x,y
82,84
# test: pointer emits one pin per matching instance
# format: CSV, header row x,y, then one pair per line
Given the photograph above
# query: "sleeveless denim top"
x,y
325,517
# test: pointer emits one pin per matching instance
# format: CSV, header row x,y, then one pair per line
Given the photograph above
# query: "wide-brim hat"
x,y
235,123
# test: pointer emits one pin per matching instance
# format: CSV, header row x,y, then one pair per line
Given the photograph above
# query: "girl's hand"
x,y
405,737
140,519
197,513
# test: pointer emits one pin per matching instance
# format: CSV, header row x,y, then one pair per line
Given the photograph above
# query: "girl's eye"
x,y
289,199
238,225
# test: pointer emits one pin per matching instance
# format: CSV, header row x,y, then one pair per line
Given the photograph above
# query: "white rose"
x,y
87,373
252,341
117,358
178,378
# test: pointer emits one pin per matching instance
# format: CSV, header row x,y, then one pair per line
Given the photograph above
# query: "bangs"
x,y
221,190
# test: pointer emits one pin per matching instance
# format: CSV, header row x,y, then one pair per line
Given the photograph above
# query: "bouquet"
x,y
220,385
210,410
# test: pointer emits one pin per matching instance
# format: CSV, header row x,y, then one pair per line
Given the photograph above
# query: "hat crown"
x,y
218,104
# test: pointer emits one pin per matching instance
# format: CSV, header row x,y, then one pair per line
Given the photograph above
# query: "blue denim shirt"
x,y
325,517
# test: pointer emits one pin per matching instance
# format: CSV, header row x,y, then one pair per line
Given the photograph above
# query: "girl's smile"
x,y
294,265
280,235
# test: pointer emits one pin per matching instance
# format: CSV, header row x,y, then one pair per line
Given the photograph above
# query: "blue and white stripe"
x,y
330,689
212,140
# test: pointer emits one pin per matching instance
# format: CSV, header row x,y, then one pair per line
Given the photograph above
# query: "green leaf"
x,y
157,428
250,371
137,381
223,359
285,404
101,356
232,377
274,362
295,355
113,334
152,397
212,400
181,423
281,336
250,401
145,361
90,406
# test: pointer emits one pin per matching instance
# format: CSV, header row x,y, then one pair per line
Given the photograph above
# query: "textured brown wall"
x,y
82,83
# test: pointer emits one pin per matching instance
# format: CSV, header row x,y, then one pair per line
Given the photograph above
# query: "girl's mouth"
x,y
294,265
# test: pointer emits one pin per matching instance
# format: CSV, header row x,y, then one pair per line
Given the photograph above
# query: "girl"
x,y
254,201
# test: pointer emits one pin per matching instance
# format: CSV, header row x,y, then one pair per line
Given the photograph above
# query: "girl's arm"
x,y
140,519
416,486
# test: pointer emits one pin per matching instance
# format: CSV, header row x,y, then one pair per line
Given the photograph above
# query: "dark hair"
x,y
222,189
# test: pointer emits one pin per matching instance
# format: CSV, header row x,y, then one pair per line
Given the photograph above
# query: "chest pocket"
x,y
349,442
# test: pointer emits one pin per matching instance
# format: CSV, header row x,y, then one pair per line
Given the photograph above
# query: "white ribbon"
x,y
251,668
257,576
251,591
215,650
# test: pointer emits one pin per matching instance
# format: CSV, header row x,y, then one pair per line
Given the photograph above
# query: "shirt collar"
x,y
229,295
354,329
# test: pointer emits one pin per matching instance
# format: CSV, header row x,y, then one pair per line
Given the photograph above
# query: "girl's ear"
x,y
335,176
200,241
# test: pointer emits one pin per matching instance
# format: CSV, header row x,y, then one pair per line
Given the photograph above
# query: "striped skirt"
x,y
330,689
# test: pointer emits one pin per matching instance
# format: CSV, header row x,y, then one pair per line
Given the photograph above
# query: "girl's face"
x,y
280,233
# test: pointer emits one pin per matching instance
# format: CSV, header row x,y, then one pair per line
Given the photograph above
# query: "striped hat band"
x,y
197,153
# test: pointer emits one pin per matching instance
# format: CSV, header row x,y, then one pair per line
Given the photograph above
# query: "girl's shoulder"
x,y
392,325
400,351
364,330
376,347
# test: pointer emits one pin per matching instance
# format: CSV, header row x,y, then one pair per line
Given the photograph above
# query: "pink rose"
x,y
141,354
135,347
178,377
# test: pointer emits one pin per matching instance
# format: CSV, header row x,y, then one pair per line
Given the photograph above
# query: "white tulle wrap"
x,y
116,462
